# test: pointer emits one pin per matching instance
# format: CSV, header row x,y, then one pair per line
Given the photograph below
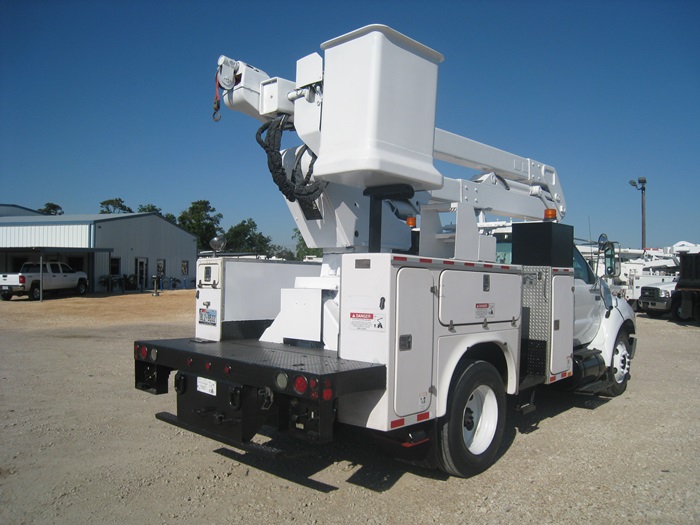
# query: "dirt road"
x,y
78,444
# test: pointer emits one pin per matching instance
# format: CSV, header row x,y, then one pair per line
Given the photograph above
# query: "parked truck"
x,y
681,297
409,328
656,298
35,278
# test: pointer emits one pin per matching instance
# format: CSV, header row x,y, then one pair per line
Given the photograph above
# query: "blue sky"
x,y
113,99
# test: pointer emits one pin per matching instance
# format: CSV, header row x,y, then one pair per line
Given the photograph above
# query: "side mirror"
x,y
612,264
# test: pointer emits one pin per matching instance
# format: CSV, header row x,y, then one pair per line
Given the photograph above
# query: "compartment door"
x,y
562,347
414,341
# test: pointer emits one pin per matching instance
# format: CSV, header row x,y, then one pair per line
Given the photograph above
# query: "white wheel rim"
x,y
621,362
480,419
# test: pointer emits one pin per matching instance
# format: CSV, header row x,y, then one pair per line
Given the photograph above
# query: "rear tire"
x,y
621,362
470,433
5,296
676,309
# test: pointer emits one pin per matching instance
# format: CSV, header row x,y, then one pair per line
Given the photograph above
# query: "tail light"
x,y
300,384
22,279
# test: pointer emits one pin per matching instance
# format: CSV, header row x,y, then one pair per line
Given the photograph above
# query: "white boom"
x,y
367,126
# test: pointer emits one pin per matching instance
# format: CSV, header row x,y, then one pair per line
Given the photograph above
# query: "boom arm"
x,y
366,124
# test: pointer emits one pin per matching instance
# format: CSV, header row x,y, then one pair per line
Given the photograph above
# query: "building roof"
x,y
13,210
34,220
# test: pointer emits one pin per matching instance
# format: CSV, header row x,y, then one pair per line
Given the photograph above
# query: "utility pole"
x,y
641,184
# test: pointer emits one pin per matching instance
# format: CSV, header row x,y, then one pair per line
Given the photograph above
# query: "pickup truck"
x,y
56,276
656,299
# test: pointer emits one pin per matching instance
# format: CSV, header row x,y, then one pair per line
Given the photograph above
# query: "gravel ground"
x,y
80,445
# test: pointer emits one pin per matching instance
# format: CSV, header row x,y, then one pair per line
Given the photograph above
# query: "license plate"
x,y
5,287
207,386
207,316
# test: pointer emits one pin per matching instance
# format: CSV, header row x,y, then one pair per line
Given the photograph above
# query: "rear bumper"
x,y
227,390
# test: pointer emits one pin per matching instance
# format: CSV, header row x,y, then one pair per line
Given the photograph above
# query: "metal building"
x,y
132,247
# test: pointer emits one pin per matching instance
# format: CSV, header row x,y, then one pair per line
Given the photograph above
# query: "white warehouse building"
x,y
136,245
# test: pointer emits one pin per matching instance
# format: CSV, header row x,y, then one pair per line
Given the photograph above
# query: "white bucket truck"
x,y
409,327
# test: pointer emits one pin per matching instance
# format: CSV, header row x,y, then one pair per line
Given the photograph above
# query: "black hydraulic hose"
x,y
304,190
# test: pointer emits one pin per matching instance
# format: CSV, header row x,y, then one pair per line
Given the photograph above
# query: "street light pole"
x,y
642,186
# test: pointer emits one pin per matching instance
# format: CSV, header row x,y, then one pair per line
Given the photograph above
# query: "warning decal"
x,y
367,321
485,310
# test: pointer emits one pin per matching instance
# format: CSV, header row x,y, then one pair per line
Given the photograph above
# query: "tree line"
x,y
203,221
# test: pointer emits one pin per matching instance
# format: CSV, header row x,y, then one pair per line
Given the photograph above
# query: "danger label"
x,y
485,310
367,321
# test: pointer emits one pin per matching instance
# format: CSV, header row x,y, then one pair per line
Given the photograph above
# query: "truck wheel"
x,y
34,293
620,365
81,289
5,296
676,311
470,433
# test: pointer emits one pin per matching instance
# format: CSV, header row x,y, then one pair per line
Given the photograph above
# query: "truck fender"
x,y
500,348
620,316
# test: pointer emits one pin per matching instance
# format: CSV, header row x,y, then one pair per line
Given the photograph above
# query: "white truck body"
x,y
412,331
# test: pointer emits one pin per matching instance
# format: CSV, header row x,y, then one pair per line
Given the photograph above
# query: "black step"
x,y
530,381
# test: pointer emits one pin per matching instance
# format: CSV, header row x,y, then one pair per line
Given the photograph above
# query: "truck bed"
x,y
251,362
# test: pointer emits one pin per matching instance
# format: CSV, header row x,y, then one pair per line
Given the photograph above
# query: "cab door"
x,y
589,307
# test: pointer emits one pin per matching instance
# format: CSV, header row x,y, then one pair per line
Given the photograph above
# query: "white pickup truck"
x,y
56,276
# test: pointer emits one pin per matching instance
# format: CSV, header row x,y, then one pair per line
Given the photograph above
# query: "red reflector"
x,y
425,260
313,383
189,362
327,383
423,416
207,366
227,369
300,384
448,262
314,395
327,394
401,258
143,352
397,423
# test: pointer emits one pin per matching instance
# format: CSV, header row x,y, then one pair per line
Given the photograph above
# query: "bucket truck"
x,y
428,308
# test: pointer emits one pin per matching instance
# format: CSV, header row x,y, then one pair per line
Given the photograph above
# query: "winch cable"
x,y
299,188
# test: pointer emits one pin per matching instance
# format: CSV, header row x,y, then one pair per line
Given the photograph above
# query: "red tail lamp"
x,y
301,384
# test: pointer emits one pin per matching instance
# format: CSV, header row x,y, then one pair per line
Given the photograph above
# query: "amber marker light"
x,y
550,214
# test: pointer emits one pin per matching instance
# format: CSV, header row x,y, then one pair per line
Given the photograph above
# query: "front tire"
x,y
621,362
81,289
34,293
470,433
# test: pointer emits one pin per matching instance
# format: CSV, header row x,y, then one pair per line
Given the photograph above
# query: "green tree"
x,y
152,208
281,252
115,205
51,209
201,221
170,218
245,237
149,208
302,249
